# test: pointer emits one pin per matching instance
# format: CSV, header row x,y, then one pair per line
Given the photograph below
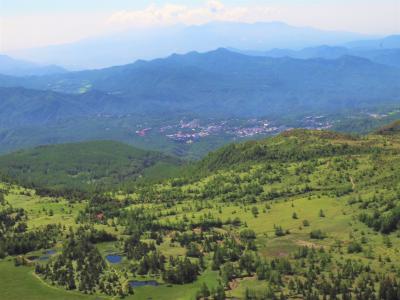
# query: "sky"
x,y
36,23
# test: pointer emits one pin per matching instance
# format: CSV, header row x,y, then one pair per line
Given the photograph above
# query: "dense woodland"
x,y
304,215
71,170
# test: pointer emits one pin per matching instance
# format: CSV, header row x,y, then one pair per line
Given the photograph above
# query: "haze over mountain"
x,y
15,67
389,42
126,47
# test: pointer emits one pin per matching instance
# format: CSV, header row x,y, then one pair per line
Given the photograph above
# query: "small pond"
x,y
45,257
50,252
143,283
114,258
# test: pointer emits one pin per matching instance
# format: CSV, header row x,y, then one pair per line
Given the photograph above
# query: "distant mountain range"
x,y
15,67
384,51
126,47
389,42
277,84
218,83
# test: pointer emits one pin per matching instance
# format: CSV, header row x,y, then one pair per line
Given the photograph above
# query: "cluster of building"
x,y
189,132
187,137
194,130
316,123
252,131
143,132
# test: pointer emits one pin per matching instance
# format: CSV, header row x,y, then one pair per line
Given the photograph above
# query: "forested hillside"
x,y
96,165
22,107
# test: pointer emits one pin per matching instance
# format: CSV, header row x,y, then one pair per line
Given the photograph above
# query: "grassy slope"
x,y
177,292
39,208
340,222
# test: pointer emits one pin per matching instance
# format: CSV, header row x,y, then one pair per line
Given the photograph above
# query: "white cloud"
x,y
215,6
169,14
34,30
366,16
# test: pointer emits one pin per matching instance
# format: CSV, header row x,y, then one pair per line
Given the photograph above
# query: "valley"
x,y
199,150
232,95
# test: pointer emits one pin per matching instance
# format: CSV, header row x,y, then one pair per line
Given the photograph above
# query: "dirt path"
x,y
352,182
234,283
308,244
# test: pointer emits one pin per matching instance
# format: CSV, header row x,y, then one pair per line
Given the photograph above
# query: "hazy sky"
x,y
33,23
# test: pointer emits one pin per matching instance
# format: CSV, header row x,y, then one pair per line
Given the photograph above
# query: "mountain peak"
x,y
223,51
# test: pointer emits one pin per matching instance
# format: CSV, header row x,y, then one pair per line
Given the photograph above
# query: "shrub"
x,y
354,247
317,234
254,211
279,231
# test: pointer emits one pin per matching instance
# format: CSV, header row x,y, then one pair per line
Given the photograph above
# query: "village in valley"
x,y
192,130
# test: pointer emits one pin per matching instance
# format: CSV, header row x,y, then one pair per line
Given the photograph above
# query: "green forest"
x,y
85,166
